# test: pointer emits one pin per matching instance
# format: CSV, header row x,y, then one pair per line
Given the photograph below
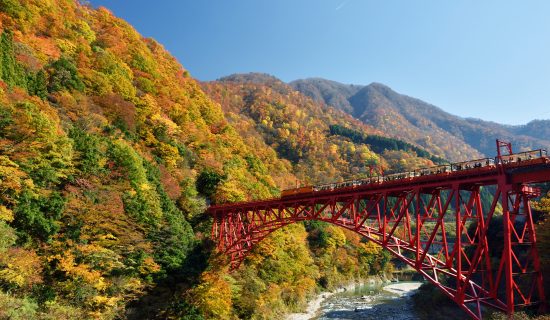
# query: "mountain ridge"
x,y
419,122
411,119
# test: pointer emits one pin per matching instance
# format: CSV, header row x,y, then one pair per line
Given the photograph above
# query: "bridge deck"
x,y
524,172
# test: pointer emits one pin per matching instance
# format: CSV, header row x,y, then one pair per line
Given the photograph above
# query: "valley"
x,y
112,153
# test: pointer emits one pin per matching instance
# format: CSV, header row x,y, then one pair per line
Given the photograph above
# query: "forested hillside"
x,y
108,150
109,155
420,123
303,132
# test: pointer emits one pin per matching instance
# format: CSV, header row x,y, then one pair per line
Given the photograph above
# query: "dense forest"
x,y
110,153
379,144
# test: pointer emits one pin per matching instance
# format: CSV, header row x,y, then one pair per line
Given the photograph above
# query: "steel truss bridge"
x,y
437,224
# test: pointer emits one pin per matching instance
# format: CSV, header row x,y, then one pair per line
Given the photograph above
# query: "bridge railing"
x,y
522,156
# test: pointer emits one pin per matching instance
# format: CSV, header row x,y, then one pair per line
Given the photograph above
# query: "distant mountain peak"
x,y
379,85
251,77
332,93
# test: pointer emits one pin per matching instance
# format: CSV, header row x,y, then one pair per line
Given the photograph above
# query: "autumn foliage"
x,y
109,155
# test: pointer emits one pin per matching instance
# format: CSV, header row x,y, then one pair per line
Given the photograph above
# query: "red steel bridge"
x,y
433,219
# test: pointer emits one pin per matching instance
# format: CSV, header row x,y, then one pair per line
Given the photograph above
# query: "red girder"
x,y
411,218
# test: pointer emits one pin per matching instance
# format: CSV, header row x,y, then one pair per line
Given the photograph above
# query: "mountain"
x,y
421,123
330,92
535,128
251,77
110,153
322,144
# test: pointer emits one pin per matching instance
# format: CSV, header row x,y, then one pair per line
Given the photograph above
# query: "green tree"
x,y
37,216
10,70
88,148
207,182
64,75
38,84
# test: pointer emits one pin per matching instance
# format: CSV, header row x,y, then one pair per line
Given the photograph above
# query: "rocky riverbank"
x,y
314,306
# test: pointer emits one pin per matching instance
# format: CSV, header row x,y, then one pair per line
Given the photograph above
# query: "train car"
x,y
324,187
396,176
473,164
433,170
296,191
517,158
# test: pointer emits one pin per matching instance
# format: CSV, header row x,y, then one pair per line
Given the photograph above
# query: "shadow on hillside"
x,y
165,298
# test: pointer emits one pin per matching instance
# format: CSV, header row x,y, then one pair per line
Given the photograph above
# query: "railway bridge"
x,y
432,219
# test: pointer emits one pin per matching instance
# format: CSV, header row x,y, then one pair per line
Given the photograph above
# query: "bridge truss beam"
x,y
442,231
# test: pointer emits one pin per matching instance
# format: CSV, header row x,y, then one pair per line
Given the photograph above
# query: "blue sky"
x,y
486,59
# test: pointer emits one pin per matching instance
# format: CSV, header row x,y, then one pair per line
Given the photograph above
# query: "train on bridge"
x,y
485,164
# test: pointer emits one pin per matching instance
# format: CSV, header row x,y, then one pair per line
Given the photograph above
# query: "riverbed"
x,y
365,301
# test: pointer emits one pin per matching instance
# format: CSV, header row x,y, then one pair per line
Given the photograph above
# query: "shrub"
x,y
38,84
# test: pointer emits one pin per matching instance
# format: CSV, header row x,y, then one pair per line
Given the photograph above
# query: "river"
x,y
368,301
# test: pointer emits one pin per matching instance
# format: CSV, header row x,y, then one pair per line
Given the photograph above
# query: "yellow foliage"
x,y
169,154
229,191
66,46
103,301
145,186
543,204
213,295
371,248
20,268
81,271
337,236
6,214
12,179
270,304
149,266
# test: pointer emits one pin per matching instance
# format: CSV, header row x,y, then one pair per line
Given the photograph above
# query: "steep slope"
x,y
426,125
410,119
108,149
294,126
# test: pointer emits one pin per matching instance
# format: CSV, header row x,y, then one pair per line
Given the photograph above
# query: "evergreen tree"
x,y
38,84
10,70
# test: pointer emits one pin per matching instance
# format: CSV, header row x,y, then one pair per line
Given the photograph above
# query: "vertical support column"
x,y
507,251
384,221
418,226
485,259
526,193
458,251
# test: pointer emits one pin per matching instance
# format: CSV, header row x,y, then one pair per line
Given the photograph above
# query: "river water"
x,y
390,301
